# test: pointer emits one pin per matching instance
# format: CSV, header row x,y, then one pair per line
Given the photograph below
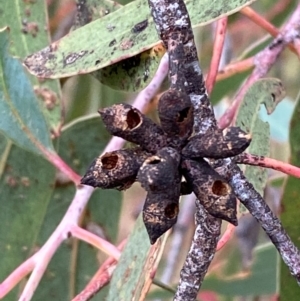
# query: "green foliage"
x,y
83,51
268,92
28,33
26,186
129,276
289,290
119,49
22,119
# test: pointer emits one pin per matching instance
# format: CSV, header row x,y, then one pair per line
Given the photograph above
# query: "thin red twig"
x,y
235,67
61,165
264,23
101,278
226,236
263,61
217,52
268,163
95,241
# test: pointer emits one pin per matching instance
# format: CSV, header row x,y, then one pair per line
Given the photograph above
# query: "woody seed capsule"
x,y
217,144
127,122
159,175
175,111
117,169
213,192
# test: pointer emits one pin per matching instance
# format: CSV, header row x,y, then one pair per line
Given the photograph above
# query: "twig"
x,y
264,60
256,205
264,23
101,278
262,161
44,255
95,241
226,236
217,52
186,75
179,233
62,166
199,257
235,67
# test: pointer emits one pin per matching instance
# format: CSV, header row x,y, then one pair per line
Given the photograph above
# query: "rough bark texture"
x,y
256,205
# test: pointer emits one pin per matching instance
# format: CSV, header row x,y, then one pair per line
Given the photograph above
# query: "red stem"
x,y
61,165
226,236
96,241
217,53
101,278
268,163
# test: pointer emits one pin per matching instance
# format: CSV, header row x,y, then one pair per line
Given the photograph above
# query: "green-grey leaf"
x,y
268,92
21,118
26,185
27,21
115,37
134,73
131,74
289,215
129,281
262,280
91,10
80,142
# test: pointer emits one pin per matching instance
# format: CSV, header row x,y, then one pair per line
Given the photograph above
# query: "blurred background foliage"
x,y
248,267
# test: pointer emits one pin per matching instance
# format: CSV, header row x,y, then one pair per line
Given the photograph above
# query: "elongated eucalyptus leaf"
x,y
289,290
117,36
21,120
131,74
26,185
133,275
27,21
268,92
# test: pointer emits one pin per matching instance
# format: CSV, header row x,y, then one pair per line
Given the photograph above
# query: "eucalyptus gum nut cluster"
x,y
175,112
218,144
127,122
117,169
212,190
160,177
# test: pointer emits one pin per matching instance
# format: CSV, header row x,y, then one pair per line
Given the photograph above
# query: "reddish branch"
x,y
235,67
268,163
217,52
263,62
262,22
256,205
101,278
